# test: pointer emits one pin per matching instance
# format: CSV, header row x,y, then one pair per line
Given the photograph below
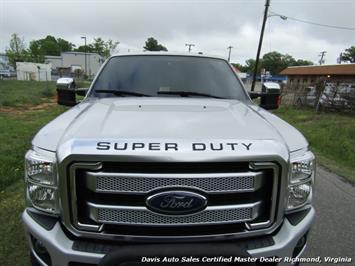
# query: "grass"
x,y
18,124
331,136
19,93
16,132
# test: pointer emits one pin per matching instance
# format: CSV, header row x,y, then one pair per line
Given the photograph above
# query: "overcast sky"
x,y
210,25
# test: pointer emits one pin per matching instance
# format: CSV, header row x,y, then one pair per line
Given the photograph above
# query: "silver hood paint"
x,y
167,118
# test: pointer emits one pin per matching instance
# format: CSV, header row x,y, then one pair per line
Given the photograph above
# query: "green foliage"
x,y
99,46
16,52
152,45
301,62
274,62
349,55
48,46
331,136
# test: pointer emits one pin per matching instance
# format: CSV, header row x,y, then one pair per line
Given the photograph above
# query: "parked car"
x,y
307,99
338,96
5,73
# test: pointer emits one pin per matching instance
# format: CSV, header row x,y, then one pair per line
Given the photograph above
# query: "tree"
x,y
152,45
48,46
16,52
99,46
302,62
349,55
250,65
275,62
64,45
83,48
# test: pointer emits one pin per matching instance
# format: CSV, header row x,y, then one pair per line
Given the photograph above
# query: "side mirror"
x,y
268,101
81,91
254,95
66,97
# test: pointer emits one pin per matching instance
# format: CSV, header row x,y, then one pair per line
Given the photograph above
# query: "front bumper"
x,y
61,251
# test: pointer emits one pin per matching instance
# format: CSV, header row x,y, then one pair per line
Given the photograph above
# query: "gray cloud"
x,y
211,25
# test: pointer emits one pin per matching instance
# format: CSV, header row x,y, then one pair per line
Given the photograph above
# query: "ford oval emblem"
x,y
176,202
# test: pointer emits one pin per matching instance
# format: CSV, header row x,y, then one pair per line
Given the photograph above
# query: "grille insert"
x,y
135,183
143,216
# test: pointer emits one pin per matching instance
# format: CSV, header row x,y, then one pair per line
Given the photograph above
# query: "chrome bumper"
x,y
61,252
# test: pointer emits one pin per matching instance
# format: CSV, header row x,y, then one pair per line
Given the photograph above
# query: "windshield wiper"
x,y
188,93
120,92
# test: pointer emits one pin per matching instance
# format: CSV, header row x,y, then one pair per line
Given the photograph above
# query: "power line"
x,y
314,23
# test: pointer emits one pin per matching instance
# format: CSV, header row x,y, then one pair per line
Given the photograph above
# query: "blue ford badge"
x,y
176,202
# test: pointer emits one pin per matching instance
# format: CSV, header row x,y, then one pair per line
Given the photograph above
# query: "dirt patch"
x,y
27,108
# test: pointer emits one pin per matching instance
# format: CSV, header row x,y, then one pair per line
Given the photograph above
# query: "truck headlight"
x,y
302,167
301,180
40,169
41,180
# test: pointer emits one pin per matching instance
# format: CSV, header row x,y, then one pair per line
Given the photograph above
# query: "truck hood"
x,y
167,118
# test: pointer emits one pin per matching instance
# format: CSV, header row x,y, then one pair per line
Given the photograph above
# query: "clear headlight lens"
x,y
39,169
303,167
43,198
298,194
301,180
40,175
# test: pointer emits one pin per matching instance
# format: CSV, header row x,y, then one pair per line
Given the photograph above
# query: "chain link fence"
x,y
322,95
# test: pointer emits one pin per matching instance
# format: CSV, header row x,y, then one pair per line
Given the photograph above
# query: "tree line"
x,y
275,62
17,51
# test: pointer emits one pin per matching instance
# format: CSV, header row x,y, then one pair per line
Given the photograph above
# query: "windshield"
x,y
168,76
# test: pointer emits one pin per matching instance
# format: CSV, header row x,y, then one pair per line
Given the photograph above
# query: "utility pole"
x,y
321,54
229,53
189,45
267,4
86,66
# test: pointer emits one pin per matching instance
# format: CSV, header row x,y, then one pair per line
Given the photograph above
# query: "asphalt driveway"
x,y
333,233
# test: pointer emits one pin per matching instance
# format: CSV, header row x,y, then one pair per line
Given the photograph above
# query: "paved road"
x,y
333,233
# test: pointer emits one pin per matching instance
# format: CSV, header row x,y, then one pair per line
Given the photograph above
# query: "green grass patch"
x,y
331,136
16,132
19,93
18,124
13,244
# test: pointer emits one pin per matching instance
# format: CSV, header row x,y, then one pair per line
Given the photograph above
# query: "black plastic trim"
x,y
296,217
105,247
47,222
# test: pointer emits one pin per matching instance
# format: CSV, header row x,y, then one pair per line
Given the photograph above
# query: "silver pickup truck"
x,y
167,157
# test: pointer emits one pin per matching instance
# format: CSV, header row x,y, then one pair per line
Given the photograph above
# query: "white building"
x,y
55,61
76,60
33,71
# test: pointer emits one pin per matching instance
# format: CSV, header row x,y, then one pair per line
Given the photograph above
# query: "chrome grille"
x,y
142,216
112,203
135,183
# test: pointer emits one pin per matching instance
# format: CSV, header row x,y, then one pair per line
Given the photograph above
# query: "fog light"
x,y
43,198
298,194
41,251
